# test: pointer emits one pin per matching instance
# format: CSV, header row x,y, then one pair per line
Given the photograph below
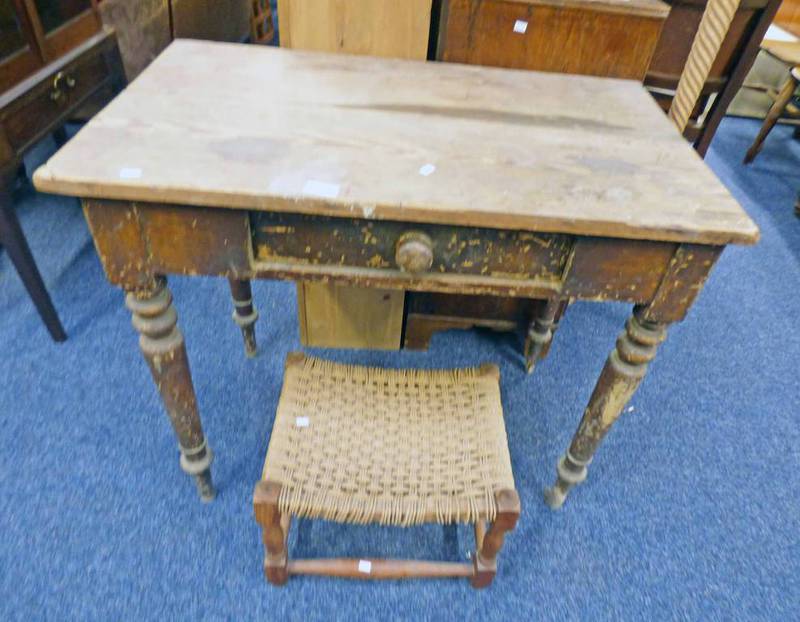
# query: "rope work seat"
x,y
396,447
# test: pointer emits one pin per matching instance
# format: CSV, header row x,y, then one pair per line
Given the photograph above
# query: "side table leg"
x,y
244,314
164,350
13,239
623,372
540,332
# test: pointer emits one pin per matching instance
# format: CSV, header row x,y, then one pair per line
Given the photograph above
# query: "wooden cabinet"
x,y
612,38
34,33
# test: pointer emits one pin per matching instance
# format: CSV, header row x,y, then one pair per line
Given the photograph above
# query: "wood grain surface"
x,y
394,139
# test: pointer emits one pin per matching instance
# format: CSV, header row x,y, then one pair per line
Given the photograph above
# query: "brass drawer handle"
x,y
62,83
414,252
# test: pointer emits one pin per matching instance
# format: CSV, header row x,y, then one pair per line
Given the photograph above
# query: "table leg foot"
x,y
623,372
244,314
163,347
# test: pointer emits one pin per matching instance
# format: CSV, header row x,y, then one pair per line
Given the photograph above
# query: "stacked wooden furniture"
x,y
395,447
55,59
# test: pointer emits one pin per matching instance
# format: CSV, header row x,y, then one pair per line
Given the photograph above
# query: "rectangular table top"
x,y
241,126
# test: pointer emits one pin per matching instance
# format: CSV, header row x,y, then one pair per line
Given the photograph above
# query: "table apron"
x,y
137,241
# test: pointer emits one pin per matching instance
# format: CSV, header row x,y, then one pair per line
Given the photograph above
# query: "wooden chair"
x,y
262,26
395,447
729,65
787,52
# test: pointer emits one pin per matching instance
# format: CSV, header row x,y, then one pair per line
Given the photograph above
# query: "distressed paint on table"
x,y
206,200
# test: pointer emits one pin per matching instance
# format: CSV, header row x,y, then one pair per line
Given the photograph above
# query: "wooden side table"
x,y
403,175
34,108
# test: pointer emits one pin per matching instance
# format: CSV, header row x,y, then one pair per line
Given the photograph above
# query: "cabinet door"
x,y
56,13
65,24
17,58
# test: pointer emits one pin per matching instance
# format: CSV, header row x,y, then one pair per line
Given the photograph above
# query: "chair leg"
x,y
489,544
265,503
13,239
244,314
775,112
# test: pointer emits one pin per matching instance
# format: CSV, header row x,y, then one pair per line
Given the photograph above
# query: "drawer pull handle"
x,y
62,83
414,252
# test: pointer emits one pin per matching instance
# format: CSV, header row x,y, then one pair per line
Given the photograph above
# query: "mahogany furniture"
x,y
396,174
612,38
365,445
787,52
35,107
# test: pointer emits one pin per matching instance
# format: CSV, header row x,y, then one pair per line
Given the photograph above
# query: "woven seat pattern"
x,y
402,447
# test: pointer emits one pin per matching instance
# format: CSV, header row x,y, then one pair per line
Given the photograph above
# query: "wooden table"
x,y
248,162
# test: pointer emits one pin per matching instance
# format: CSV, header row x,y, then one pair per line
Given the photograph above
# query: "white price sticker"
x,y
301,422
521,26
364,566
130,173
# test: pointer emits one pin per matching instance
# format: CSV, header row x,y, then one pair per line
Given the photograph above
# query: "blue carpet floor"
x,y
691,510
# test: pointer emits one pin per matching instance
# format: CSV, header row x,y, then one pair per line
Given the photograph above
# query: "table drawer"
x,y
413,249
52,99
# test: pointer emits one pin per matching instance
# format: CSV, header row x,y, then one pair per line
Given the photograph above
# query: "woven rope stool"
x,y
395,447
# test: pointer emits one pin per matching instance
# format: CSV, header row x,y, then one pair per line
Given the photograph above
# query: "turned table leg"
x,y
244,313
540,332
163,347
775,112
621,376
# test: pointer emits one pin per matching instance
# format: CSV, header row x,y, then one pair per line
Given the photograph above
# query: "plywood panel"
x,y
338,316
390,28
216,20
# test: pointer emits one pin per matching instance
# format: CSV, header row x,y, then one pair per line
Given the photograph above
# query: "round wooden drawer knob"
x,y
414,252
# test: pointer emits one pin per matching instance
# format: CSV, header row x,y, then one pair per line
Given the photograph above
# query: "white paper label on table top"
x,y
364,566
322,189
521,26
130,173
427,169
301,422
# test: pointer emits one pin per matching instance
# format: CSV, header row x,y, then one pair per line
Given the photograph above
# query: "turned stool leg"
x,y
244,314
621,376
161,342
488,544
275,531
540,332
775,112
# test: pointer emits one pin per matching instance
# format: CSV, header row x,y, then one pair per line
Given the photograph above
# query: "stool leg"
x,y
265,504
540,332
244,314
489,545
775,112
